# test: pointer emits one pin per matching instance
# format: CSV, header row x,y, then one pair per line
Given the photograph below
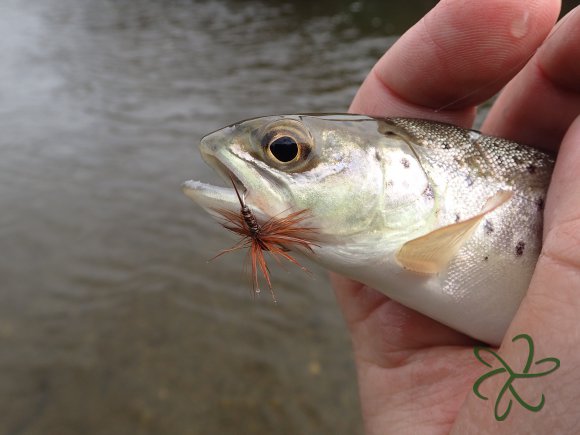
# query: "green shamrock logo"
x,y
513,376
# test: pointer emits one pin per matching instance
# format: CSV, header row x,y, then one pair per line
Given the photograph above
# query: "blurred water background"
x,y
111,320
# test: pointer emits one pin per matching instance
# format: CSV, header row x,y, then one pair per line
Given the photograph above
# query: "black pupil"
x,y
284,149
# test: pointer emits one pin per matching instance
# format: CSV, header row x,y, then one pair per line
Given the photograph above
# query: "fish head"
x,y
342,169
331,165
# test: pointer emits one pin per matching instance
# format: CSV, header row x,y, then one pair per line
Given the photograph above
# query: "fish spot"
x,y
540,204
405,162
488,227
531,169
378,156
457,217
485,258
445,146
469,180
428,192
520,248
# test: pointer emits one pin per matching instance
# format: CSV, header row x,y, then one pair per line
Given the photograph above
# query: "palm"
x,y
416,375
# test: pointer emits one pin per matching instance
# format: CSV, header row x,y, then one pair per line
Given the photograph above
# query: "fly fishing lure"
x,y
277,235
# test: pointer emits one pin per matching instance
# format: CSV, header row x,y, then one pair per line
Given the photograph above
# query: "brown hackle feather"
x,y
277,236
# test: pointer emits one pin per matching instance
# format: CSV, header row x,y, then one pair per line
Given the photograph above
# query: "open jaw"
x,y
211,197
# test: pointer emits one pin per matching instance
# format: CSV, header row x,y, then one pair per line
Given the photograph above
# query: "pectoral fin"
x,y
430,253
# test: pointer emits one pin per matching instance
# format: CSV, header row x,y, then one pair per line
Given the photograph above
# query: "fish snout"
x,y
208,144
211,143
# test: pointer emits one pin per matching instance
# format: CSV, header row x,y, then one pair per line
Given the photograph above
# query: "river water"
x,y
111,319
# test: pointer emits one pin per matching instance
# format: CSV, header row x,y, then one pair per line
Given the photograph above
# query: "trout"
x,y
444,220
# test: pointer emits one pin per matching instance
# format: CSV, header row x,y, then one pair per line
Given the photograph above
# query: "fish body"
x,y
444,220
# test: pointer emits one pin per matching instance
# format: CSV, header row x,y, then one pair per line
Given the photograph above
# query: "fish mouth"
x,y
212,197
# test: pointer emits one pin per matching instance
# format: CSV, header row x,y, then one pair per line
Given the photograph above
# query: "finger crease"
x,y
369,312
555,83
566,262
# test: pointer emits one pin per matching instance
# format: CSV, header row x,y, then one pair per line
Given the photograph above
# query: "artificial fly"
x,y
277,235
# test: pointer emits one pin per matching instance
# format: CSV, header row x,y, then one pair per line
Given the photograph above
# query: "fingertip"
x,y
463,52
539,105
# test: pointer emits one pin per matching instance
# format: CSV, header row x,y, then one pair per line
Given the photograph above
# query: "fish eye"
x,y
286,145
284,149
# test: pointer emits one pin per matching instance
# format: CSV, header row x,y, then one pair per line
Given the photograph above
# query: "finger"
x,y
539,105
457,56
382,328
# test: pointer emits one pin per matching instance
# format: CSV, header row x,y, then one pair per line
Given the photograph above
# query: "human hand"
x,y
416,375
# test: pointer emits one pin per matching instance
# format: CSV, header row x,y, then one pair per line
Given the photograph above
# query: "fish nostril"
x,y
206,145
212,142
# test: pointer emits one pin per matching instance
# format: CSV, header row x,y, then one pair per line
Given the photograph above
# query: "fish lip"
x,y
212,197
227,172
